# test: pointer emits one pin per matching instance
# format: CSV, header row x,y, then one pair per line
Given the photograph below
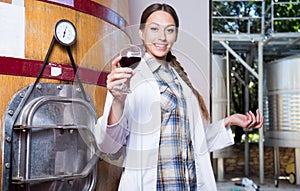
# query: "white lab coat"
x,y
139,130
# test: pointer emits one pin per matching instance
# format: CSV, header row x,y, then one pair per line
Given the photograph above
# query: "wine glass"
x,y
131,56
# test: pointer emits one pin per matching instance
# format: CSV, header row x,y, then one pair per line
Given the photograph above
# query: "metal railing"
x,y
282,14
244,16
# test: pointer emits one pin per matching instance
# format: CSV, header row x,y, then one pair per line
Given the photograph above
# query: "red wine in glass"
x,y
130,57
131,62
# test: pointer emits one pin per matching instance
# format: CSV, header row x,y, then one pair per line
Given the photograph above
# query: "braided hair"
x,y
179,69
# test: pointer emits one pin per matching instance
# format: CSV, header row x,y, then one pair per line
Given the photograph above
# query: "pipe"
x,y
260,107
251,70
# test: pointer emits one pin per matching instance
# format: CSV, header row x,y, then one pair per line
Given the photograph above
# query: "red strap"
x,y
31,68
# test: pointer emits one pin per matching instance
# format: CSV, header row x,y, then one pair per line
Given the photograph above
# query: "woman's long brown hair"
x,y
171,58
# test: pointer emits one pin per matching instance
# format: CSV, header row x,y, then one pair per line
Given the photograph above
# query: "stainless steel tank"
x,y
218,106
219,95
282,109
282,102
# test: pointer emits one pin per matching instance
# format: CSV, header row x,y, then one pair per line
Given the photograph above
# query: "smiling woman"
x,y
159,34
163,124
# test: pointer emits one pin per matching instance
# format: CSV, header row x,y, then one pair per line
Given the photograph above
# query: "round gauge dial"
x,y
65,32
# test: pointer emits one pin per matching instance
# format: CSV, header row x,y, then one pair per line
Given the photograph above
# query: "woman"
x,y
163,122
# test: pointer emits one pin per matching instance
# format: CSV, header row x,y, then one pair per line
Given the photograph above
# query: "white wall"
x,y
192,47
12,30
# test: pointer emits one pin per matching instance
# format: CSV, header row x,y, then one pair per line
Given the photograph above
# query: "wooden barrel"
x,y
99,25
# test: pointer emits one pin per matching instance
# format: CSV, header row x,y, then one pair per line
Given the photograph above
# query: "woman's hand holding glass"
x,y
118,77
122,70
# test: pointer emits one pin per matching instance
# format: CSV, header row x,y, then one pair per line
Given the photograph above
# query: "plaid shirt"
x,y
176,167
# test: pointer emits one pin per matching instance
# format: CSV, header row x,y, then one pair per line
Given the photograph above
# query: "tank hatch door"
x,y
49,145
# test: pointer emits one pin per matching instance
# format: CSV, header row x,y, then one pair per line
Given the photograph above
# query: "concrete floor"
x,y
269,185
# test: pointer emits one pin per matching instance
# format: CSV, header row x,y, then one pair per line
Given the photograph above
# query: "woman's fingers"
x,y
247,121
257,115
118,75
257,121
253,121
252,118
115,63
110,85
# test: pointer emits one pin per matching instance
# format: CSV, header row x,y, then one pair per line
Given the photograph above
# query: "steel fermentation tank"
x,y
219,106
282,108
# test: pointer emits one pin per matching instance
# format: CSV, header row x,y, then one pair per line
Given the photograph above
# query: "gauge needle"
x,y
64,32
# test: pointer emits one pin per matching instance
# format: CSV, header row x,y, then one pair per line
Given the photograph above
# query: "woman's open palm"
x,y
247,121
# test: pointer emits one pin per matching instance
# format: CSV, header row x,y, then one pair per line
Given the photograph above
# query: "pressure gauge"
x,y
65,32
